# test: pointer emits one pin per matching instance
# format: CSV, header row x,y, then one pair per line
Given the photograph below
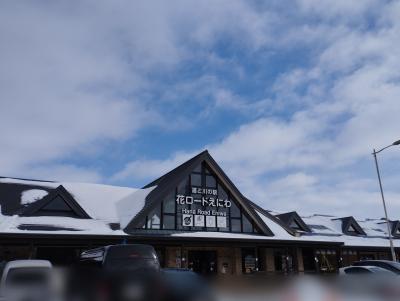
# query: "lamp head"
x,y
396,143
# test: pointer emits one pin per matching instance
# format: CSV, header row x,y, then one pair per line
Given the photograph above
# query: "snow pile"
x,y
32,195
99,201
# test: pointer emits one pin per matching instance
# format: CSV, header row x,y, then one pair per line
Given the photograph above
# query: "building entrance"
x,y
203,262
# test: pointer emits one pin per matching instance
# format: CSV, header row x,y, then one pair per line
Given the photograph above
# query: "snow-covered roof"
x,y
107,205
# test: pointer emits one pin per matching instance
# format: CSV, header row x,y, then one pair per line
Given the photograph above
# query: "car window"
x,y
395,265
27,276
357,270
380,271
392,266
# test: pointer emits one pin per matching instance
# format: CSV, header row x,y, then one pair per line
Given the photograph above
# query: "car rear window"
x,y
28,276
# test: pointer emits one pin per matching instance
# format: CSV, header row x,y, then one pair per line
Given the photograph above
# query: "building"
x,y
194,216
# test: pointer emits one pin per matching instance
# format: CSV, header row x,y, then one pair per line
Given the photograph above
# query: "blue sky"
x,y
290,97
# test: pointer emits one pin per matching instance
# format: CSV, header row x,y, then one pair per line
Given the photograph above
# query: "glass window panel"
x,y
225,229
235,211
195,179
179,221
211,182
169,204
247,225
154,219
197,169
222,194
294,225
169,222
236,225
183,187
57,204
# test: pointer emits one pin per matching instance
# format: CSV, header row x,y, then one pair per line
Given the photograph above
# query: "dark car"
x,y
385,264
122,257
116,273
185,285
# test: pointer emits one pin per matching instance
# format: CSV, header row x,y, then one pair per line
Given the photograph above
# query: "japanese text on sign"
x,y
204,201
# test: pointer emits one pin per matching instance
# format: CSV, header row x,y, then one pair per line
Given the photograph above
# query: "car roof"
x,y
364,267
28,264
375,260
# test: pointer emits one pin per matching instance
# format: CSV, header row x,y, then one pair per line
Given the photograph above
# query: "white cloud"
x,y
345,103
76,75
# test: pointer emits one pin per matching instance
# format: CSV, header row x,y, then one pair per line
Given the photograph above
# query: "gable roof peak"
x,y
350,226
290,218
169,181
34,208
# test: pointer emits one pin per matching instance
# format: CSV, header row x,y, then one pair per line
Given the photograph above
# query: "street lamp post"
x,y
383,197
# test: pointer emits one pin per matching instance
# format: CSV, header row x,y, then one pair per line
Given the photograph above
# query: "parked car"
x,y
122,257
365,270
392,266
116,272
25,280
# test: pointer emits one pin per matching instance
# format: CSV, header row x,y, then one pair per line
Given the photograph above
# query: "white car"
x,y
21,278
365,270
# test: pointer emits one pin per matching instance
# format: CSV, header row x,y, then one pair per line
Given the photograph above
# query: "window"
x,y
169,204
222,194
294,225
197,169
195,179
57,204
235,211
57,207
236,225
249,261
183,187
352,229
357,270
169,222
154,219
211,182
247,225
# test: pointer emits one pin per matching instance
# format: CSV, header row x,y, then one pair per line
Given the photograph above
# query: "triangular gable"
x,y
57,203
168,183
350,226
294,221
396,229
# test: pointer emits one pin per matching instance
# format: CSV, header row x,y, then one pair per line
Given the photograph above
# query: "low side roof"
x,y
97,200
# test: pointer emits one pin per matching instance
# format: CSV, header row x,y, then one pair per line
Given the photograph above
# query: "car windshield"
x,y
395,265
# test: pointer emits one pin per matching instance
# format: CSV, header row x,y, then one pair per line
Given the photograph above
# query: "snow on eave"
x,y
97,200
128,207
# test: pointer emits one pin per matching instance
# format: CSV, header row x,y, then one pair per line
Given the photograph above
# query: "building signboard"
x,y
209,216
